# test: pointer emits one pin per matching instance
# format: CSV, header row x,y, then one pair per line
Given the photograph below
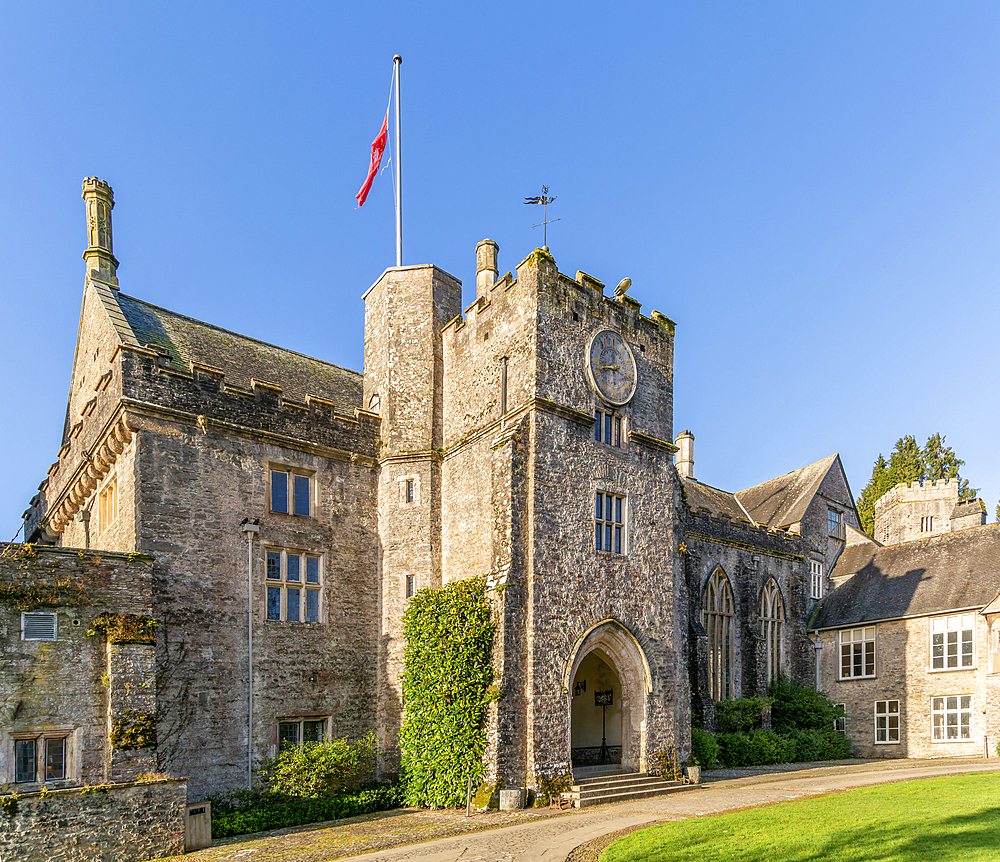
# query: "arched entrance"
x,y
607,657
596,712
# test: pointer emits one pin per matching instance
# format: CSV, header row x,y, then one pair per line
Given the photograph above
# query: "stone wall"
x,y
900,512
75,686
122,822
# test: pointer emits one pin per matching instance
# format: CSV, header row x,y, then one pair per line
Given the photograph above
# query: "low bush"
x,y
740,715
798,707
321,770
244,811
755,748
814,744
704,748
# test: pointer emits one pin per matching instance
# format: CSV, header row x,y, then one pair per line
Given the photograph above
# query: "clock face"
x,y
611,366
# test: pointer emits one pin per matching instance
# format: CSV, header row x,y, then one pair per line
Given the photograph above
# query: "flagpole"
x,y
397,62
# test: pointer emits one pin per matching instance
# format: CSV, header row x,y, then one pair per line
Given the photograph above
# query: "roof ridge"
x,y
236,334
830,458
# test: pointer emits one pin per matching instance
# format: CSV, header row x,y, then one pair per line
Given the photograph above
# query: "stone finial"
x,y
486,267
685,454
99,256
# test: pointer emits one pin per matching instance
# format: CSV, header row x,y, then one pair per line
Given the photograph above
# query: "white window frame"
x,y
949,631
107,503
291,504
943,709
609,428
283,584
611,531
883,714
851,639
815,579
55,625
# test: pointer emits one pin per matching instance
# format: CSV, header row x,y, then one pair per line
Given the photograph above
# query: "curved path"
x,y
551,838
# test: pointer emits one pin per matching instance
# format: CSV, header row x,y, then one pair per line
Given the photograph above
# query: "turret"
x,y
99,256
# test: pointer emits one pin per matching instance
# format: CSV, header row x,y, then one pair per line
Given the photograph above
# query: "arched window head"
x,y
772,624
717,616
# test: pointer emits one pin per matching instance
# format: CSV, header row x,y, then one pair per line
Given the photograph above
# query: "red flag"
x,y
378,147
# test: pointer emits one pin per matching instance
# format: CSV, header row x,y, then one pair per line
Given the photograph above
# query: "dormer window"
x,y
835,524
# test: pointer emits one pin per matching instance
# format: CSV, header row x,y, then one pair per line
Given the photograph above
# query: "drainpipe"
x,y
251,529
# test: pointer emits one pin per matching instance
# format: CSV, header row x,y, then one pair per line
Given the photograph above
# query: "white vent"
x,y
38,627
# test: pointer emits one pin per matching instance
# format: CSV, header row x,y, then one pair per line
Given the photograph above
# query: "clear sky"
x,y
809,189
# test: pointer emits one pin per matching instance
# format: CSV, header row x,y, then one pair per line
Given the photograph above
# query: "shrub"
x,y
740,715
704,748
755,748
552,785
275,811
798,707
815,744
321,770
447,685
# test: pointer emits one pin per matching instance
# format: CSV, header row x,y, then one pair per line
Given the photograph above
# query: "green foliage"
x,y
819,744
552,785
124,628
9,804
798,707
740,715
755,748
134,730
320,770
447,685
242,812
20,560
908,462
95,788
704,748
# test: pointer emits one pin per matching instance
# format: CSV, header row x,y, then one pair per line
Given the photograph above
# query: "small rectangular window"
x,y
409,490
835,523
302,484
279,491
292,598
927,524
55,759
411,586
312,606
816,579
886,721
38,626
107,500
312,731
25,760
608,428
274,565
610,522
274,603
298,731
288,733
312,570
293,567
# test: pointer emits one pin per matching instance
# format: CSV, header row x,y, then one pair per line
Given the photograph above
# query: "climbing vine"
x,y
447,685
124,628
133,730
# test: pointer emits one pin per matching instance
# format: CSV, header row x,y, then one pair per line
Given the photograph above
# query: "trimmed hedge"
x,y
245,812
447,685
704,748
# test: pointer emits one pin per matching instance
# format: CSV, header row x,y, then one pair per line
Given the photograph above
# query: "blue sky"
x,y
810,190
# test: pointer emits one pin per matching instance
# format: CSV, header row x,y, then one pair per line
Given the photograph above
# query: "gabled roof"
x,y
240,358
782,502
933,575
716,502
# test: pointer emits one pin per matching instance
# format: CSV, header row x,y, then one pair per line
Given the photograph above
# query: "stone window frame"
x,y
960,642
719,619
610,428
772,628
940,714
611,530
300,721
815,579
282,584
927,524
409,490
865,652
107,502
410,586
883,724
291,500
70,765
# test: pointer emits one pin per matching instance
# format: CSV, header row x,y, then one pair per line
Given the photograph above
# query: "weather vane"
x,y
544,199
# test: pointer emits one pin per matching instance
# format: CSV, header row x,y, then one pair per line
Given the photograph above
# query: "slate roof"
x,y
782,502
239,357
926,576
718,503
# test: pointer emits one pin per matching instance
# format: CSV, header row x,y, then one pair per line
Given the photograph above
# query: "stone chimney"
x,y
486,267
685,454
99,256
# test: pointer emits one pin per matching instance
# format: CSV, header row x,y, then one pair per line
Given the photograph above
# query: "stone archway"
x,y
614,646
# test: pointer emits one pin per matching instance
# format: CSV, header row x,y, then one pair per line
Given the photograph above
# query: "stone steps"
x,y
599,789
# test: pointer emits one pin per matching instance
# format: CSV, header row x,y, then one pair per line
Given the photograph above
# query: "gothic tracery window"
x,y
718,619
772,621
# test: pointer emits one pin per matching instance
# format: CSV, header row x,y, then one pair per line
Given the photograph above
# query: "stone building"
x,y
527,439
916,510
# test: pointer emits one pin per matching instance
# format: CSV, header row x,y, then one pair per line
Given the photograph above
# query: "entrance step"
x,y
599,789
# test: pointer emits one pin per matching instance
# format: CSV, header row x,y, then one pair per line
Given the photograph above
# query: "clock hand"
x,y
611,367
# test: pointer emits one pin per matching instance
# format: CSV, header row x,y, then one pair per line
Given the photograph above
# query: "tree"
x,y
910,463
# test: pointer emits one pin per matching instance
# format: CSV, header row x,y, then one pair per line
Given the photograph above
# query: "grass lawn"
x,y
939,819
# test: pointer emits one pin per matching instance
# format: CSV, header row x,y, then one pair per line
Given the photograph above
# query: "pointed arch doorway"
x,y
607,657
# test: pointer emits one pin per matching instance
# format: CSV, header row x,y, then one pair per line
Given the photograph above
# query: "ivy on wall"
x,y
447,685
133,730
124,628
